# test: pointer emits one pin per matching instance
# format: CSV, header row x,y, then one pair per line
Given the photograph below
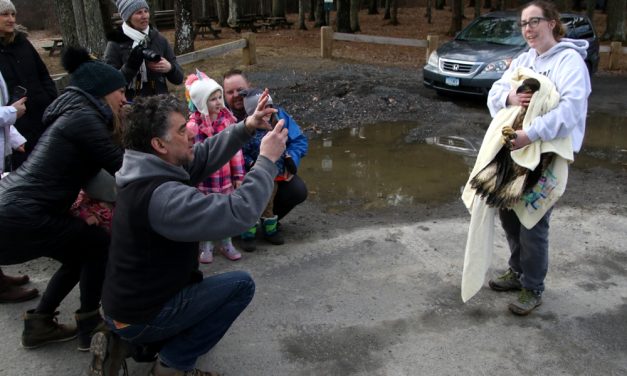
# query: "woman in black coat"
x,y
21,65
35,199
141,53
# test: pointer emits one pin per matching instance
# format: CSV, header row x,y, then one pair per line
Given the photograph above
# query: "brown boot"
x,y
42,328
88,324
14,281
10,293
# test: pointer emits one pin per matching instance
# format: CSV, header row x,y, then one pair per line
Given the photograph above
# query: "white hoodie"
x,y
564,66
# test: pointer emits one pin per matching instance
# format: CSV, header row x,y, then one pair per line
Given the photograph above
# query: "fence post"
x,y
326,42
432,44
615,52
249,54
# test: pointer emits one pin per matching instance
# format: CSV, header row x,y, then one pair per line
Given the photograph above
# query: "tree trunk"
x,y
301,15
79,21
428,11
65,15
312,11
321,19
615,30
343,17
456,20
278,8
394,12
386,15
234,12
354,15
477,8
373,7
106,11
183,27
96,41
439,4
222,10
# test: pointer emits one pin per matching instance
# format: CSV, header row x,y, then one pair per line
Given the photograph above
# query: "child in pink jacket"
x,y
208,117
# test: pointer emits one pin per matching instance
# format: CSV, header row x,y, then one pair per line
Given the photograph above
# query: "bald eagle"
x,y
502,182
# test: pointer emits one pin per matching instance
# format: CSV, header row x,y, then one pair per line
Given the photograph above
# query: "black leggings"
x,y
81,249
288,195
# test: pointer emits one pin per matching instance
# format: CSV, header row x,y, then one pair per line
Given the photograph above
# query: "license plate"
x,y
452,81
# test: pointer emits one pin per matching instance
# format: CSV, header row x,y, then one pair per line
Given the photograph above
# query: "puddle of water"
x,y
605,142
373,167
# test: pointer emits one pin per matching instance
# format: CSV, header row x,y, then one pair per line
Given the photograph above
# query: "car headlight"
x,y
498,66
433,59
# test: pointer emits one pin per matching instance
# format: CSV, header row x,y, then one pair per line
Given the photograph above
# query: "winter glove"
x,y
290,166
136,58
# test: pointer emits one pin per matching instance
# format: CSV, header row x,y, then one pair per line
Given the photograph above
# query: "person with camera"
x,y
141,53
25,75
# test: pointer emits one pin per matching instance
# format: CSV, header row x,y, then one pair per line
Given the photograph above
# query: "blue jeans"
x,y
195,319
529,248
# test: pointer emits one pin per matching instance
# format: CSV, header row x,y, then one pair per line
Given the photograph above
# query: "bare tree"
x,y
312,10
278,8
321,19
183,28
106,10
354,15
343,17
301,15
222,9
456,20
373,7
79,21
394,12
428,10
615,29
234,12
65,15
96,41
439,4
386,14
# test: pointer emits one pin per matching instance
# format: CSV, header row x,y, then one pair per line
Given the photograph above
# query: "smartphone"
x,y
19,92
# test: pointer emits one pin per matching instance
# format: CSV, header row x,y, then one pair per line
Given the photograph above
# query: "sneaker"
x,y
206,253
527,301
510,280
230,252
109,353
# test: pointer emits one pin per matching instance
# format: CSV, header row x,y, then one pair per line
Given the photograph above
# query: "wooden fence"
x,y
616,51
247,44
327,36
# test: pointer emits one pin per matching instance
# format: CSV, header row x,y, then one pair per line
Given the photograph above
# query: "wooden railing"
x,y
327,36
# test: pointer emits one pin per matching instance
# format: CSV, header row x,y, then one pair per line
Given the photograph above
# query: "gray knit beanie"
x,y
126,8
7,5
251,98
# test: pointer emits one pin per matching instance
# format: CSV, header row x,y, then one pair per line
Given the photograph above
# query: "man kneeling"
x,y
154,291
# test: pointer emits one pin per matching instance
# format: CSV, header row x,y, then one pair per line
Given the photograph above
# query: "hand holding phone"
x,y
18,93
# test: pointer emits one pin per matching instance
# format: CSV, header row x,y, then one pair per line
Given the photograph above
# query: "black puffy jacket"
x,y
21,65
76,145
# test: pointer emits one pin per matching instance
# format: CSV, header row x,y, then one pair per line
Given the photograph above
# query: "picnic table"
x,y
57,45
245,22
203,26
276,22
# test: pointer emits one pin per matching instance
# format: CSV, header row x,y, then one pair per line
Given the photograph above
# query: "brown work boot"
x,y
88,324
14,281
14,294
43,328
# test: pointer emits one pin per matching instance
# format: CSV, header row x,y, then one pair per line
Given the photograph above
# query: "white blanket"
x,y
479,245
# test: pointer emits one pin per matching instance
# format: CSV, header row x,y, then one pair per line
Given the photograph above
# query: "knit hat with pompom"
x,y
90,74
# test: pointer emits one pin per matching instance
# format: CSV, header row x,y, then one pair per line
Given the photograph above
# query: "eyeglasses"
x,y
533,22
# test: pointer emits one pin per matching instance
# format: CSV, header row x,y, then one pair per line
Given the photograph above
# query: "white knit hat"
x,y
201,90
7,5
126,8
